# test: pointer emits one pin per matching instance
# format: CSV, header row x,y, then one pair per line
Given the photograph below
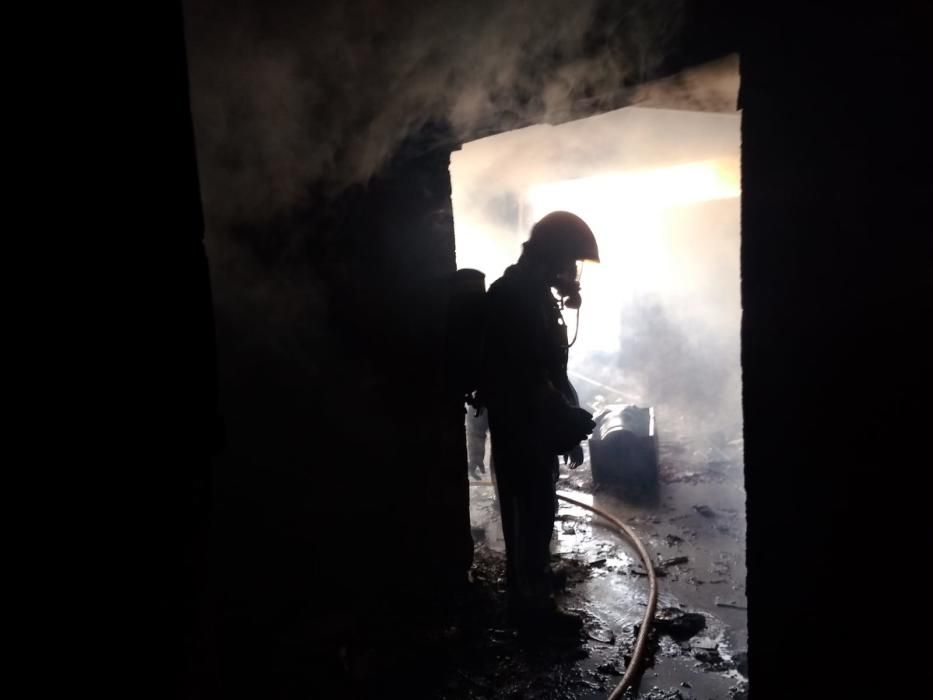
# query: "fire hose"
x,y
627,534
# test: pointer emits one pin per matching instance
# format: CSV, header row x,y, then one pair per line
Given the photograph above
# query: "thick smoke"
x,y
286,94
296,101
297,98
661,315
712,87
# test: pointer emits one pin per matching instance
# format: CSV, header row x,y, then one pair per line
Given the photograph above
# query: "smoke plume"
x,y
285,94
661,313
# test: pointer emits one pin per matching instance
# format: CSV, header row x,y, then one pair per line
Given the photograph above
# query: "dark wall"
x,y
318,498
131,423
836,292
342,494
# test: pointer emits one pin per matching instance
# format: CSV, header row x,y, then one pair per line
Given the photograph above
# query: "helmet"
x,y
562,235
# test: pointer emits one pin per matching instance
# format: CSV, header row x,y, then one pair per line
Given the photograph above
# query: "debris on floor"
x,y
696,538
678,624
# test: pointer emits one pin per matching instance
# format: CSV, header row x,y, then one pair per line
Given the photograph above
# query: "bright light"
x,y
602,196
626,211
483,247
661,314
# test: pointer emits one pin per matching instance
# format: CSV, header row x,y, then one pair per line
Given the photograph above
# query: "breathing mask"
x,y
567,285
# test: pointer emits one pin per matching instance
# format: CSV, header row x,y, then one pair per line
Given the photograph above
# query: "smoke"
x,y
661,315
288,94
295,102
712,87
680,362
301,97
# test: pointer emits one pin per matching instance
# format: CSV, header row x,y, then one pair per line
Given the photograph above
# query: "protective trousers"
x,y
525,480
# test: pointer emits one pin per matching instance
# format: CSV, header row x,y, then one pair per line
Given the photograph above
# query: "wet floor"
x,y
696,534
453,641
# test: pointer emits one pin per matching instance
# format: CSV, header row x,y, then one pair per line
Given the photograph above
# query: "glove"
x,y
581,423
572,429
574,457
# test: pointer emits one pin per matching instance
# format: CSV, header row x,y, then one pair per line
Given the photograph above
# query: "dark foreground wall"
x,y
283,508
836,293
342,494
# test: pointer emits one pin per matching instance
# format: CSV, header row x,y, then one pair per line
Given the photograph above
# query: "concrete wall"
x,y
343,489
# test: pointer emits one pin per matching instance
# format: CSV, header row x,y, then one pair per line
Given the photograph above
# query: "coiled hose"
x,y
627,534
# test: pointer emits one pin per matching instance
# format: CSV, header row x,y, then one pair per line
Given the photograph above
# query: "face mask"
x,y
567,285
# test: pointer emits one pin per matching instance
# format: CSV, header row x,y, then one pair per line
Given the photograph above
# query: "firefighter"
x,y
533,412
477,427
